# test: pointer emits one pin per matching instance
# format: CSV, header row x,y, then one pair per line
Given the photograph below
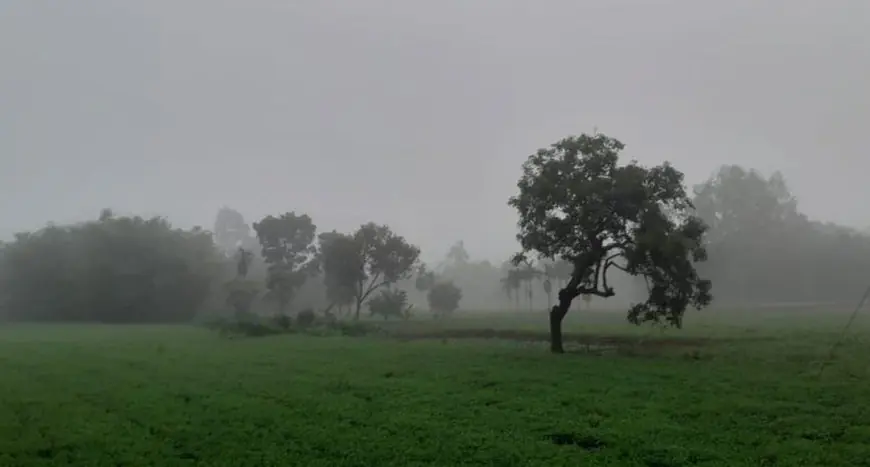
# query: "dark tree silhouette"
x,y
576,203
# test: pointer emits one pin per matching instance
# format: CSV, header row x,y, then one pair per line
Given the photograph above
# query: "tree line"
x,y
589,226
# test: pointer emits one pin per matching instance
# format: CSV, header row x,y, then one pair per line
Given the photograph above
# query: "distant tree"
x,y
231,232
241,293
425,279
548,273
444,299
511,284
527,275
289,250
756,235
114,270
371,258
457,253
243,262
343,270
385,258
576,203
390,303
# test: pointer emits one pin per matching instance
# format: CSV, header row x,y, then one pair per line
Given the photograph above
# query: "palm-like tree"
x,y
510,284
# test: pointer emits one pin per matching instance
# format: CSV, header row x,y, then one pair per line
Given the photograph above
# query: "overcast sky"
x,y
414,113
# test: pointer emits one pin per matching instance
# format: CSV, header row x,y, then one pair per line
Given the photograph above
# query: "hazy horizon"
x,y
414,114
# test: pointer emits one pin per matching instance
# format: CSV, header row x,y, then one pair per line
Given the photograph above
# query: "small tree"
x,y
289,250
576,203
444,299
511,284
390,303
384,259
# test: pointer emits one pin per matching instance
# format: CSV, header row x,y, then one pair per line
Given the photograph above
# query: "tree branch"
x,y
372,287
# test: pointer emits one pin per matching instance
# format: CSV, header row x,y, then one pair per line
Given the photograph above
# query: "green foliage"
x,y
116,269
444,299
72,392
289,250
390,303
341,262
577,203
373,257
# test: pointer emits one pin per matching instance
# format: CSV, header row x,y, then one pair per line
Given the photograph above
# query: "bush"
x,y
444,299
305,318
282,322
390,303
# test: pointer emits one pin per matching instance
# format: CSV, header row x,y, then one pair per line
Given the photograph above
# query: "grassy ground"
x,y
733,388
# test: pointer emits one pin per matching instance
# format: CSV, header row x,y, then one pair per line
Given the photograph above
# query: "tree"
x,y
342,271
289,250
115,269
241,292
576,203
457,254
363,262
230,230
390,303
383,258
444,298
511,284
425,279
527,274
243,262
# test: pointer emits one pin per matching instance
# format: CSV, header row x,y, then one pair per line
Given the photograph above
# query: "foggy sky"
x,y
414,113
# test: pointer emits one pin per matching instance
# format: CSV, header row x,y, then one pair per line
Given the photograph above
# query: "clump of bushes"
x,y
246,324
390,303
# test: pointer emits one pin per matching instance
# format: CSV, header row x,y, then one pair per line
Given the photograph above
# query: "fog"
x,y
415,114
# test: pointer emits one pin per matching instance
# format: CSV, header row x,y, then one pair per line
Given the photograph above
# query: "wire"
x,y
843,333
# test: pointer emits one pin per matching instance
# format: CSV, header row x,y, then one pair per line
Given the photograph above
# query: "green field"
x,y
732,389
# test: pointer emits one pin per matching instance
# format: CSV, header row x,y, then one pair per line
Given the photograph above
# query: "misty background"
x,y
417,113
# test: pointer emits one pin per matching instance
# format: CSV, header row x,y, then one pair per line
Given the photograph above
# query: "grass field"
x,y
731,389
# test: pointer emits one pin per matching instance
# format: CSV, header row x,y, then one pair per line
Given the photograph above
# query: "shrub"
x,y
305,318
444,299
390,303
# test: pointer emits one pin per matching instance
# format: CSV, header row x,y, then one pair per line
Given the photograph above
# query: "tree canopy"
x,y
288,248
113,270
577,203
764,250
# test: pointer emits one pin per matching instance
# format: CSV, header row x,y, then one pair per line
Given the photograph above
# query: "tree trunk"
x,y
557,314
358,308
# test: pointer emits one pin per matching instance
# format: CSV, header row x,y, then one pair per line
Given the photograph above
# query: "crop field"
x,y
734,388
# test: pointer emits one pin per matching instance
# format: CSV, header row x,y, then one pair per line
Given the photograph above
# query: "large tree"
x,y
577,203
342,269
288,248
